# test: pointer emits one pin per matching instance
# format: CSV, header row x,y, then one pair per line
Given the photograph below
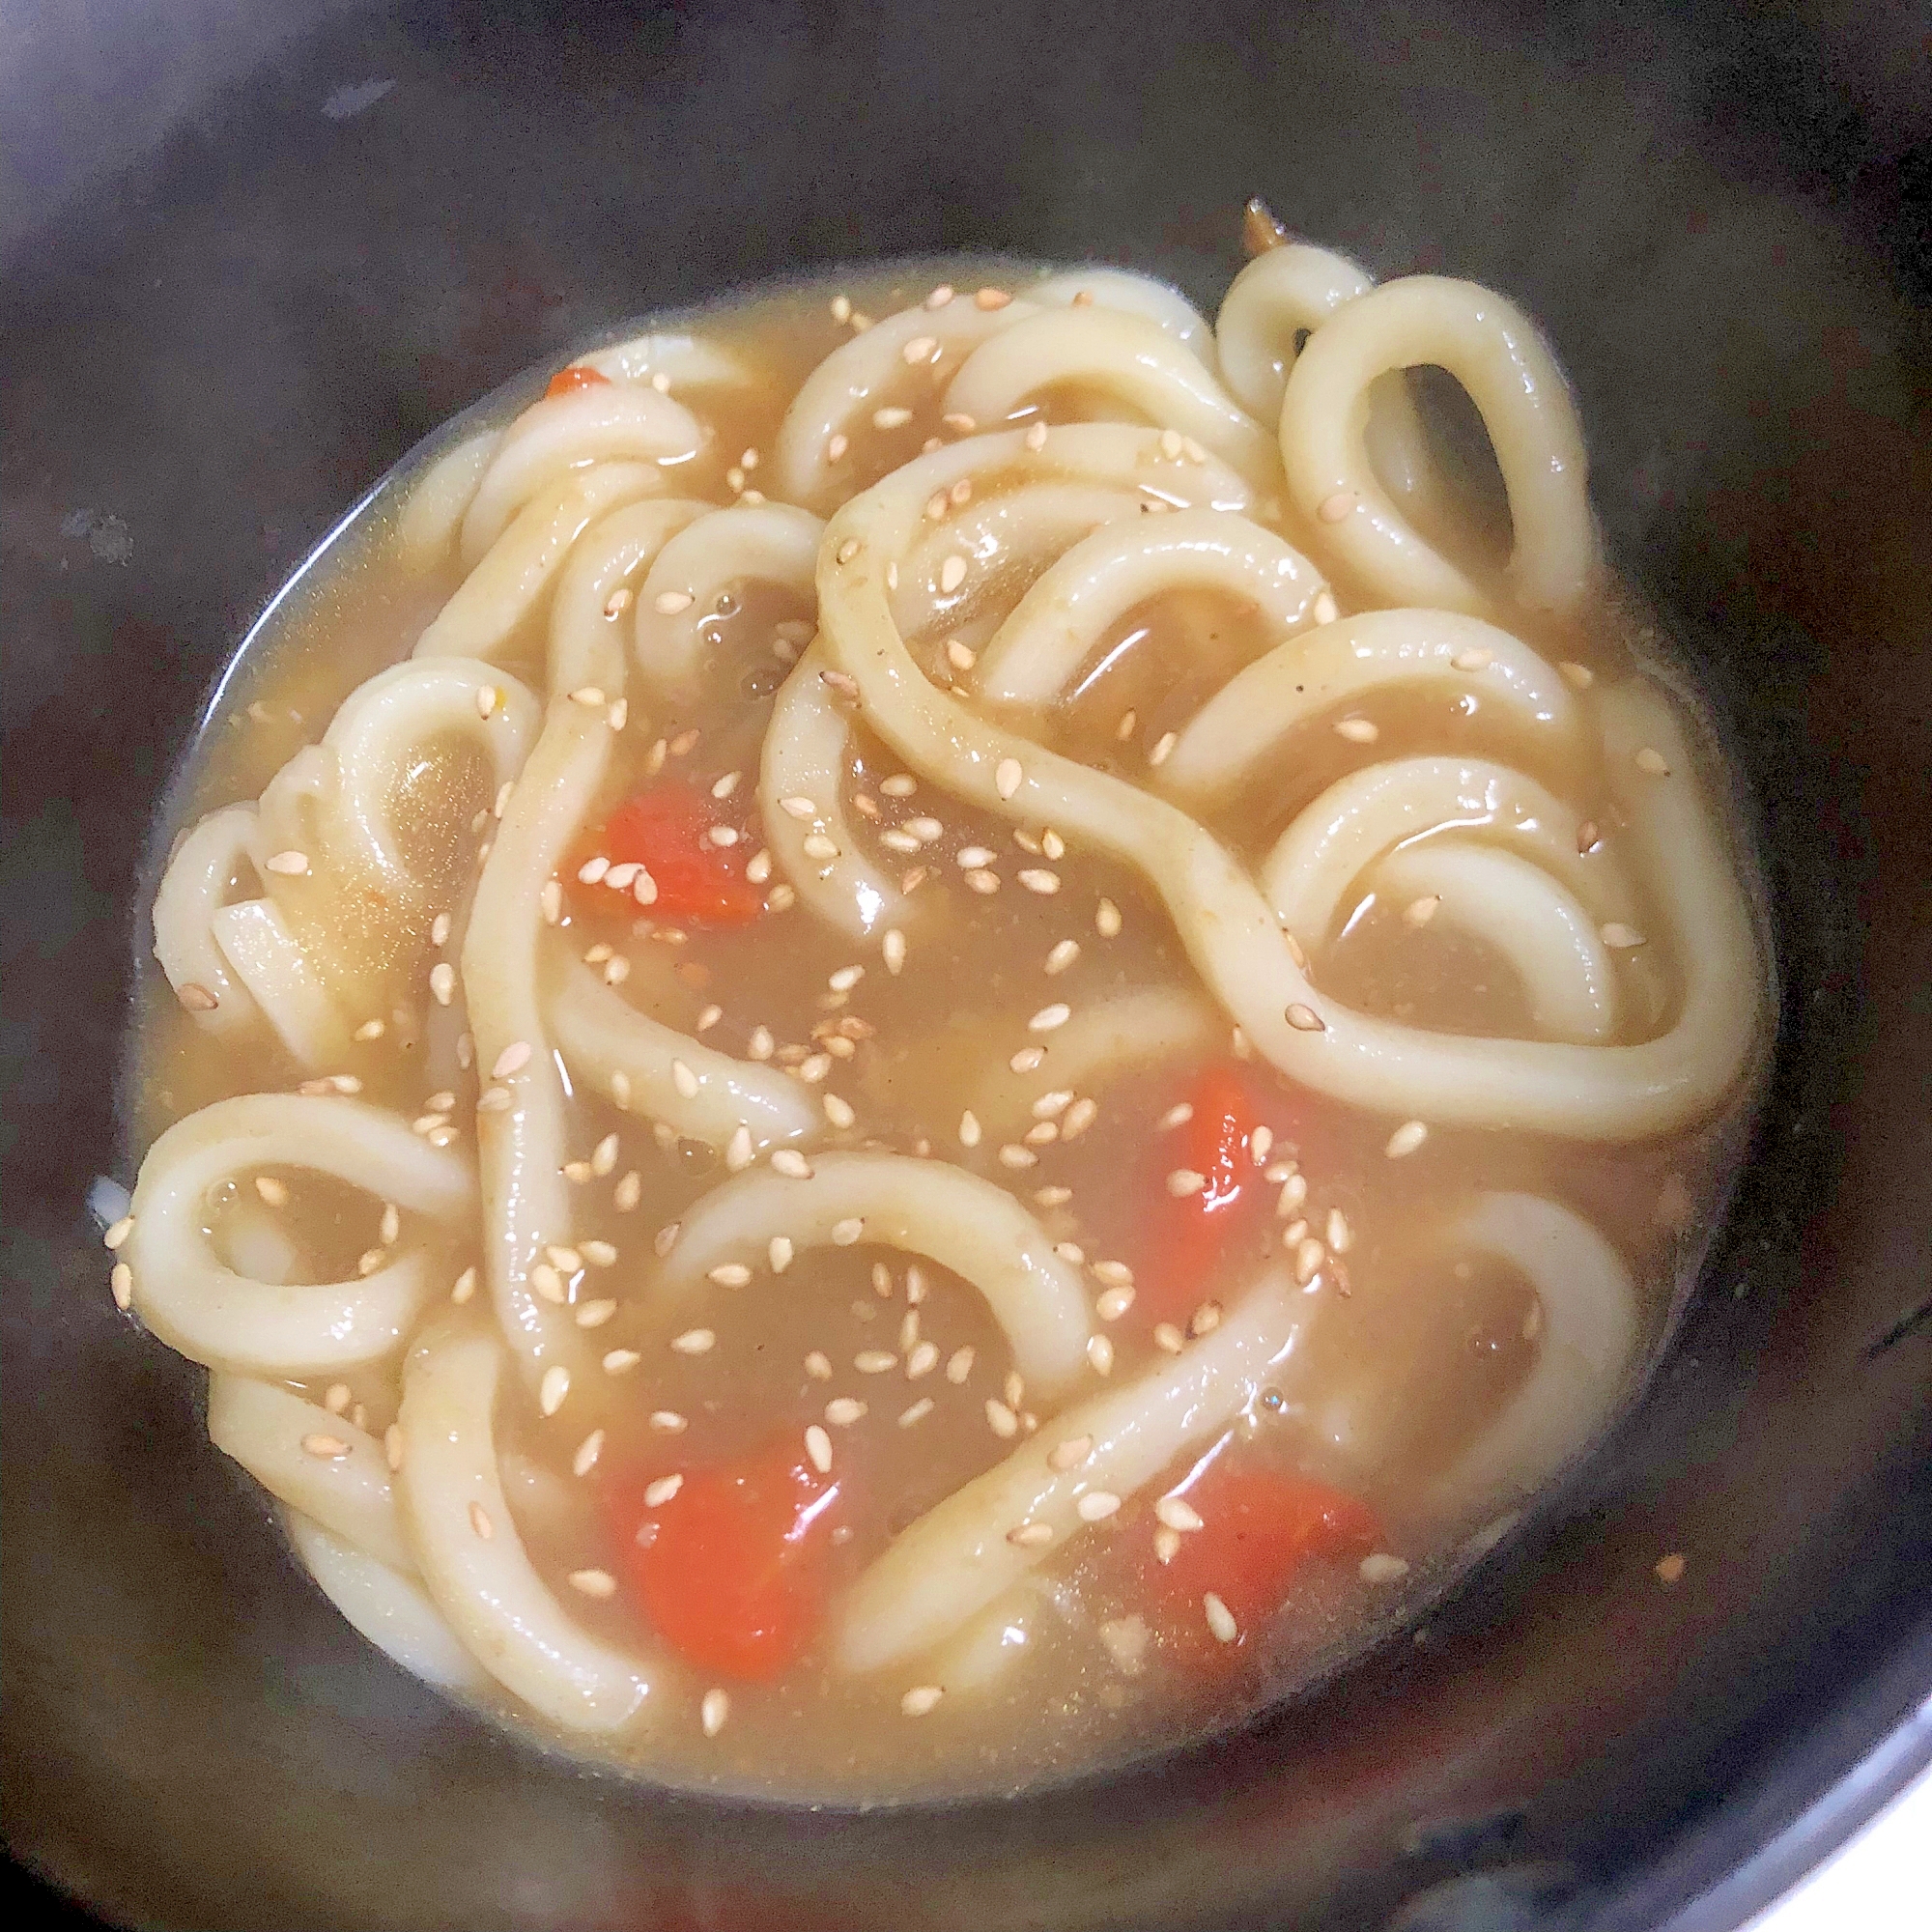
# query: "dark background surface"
x,y
241,279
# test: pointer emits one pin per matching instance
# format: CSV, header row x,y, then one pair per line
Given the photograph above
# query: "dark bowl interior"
x,y
253,254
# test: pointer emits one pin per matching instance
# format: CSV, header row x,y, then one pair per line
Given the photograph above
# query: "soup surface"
x,y
919,1030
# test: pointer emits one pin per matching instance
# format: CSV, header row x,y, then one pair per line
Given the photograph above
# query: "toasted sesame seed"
x,y
713,1711
1107,919
1097,1505
1031,1535
121,1283
1335,507
842,1410
1204,1319
1220,1618
1406,1139
1101,1354
196,997
291,865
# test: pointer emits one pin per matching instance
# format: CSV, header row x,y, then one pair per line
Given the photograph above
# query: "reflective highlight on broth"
x,y
977,1016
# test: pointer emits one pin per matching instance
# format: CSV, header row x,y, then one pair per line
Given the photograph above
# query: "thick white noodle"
x,y
860,376
1593,1092
281,978
1242,728
1272,300
204,1309
263,1427
519,1147
1130,360
957,1559
602,1037
214,853
766,543
923,1207
485,610
606,423
378,737
807,754
1130,293
389,1609
1495,350
586,643
684,361
1539,926
484,1584
427,523
1104,1039
1063,618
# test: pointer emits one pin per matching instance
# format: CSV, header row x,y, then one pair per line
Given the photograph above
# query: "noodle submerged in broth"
x,y
978,1026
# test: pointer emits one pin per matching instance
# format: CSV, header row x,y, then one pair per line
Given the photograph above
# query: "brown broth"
x,y
1442,1336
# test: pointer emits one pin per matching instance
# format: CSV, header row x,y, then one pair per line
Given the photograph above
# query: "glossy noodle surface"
x,y
917,1031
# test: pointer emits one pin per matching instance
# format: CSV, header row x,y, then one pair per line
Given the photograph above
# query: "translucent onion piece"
x,y
1593,1092
602,1035
204,1309
1127,357
602,423
1495,350
519,1147
381,731
484,1584
389,1609
1104,1040
957,1559
923,1207
838,397
193,888
1242,728
588,646
486,608
281,978
263,1427
1539,927
807,754
427,523
767,543
1066,613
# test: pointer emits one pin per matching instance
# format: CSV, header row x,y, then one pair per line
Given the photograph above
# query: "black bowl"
x,y
253,254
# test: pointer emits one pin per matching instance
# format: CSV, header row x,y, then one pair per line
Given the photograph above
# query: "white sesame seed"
x,y
1620,938
693,1341
1358,730
1305,1019
326,1448
598,1583
1309,1255
1335,507
712,1713
842,1410
667,1422
553,1389
513,1058
1406,1139
874,1361
1169,1339
1007,778
1107,919
1037,879
480,1523
793,1164
728,1274
1381,1567
593,1313
1070,1453
442,981
1652,763
584,1459
1101,1354
1097,1505
1184,1182
921,1699
1580,677
1113,1303
1048,1018
291,865
846,979
1001,1419
1163,747
1220,1618
921,1360
1035,438
620,1361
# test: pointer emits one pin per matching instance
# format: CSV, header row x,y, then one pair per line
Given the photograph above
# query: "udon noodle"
x,y
1012,1054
